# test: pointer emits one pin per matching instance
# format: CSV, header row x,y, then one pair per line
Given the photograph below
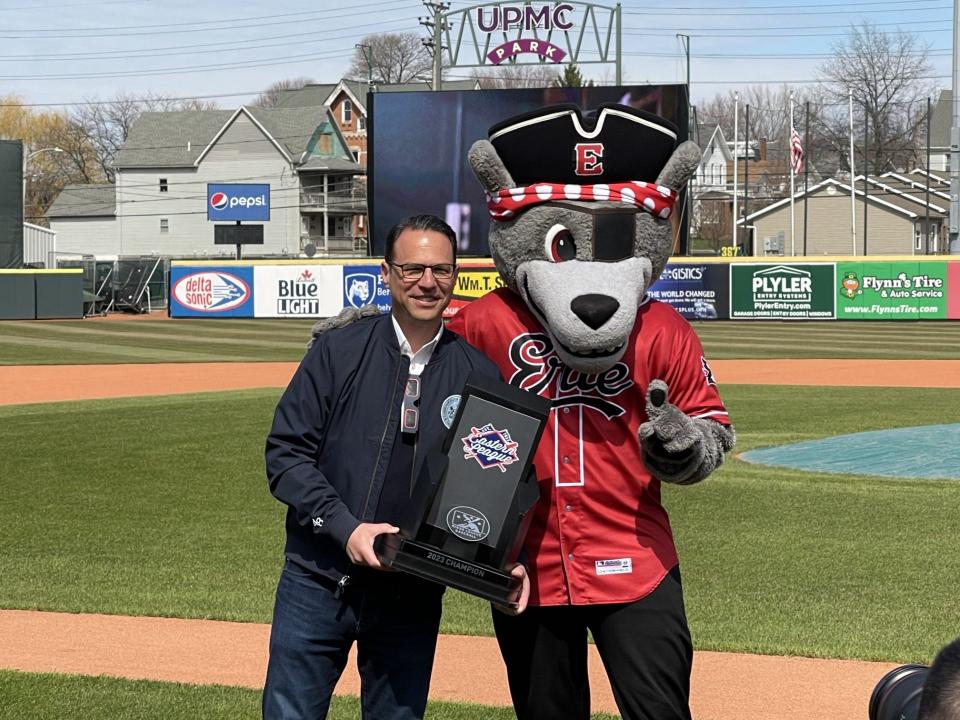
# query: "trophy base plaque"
x,y
431,563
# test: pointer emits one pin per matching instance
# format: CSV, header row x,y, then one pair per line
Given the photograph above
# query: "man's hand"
x,y
519,572
360,543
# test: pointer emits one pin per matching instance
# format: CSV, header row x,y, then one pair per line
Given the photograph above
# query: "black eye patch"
x,y
613,231
613,236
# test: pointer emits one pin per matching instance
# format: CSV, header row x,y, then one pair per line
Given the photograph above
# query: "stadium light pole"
x,y
26,158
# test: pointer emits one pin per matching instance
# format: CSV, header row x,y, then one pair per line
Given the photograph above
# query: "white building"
x,y
158,205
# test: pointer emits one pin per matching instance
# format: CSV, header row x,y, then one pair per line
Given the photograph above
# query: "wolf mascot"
x,y
582,210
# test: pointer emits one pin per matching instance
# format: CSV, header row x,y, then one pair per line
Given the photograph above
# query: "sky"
x,y
63,52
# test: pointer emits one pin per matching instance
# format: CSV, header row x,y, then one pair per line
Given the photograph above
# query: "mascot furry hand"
x,y
582,227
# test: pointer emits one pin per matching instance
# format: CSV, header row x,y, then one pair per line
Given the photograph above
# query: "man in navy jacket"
x,y
349,436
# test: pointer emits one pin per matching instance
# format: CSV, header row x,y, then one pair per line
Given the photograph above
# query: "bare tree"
x,y
889,77
516,76
769,112
106,124
271,96
393,58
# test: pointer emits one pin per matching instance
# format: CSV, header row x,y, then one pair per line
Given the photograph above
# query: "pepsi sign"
x,y
235,202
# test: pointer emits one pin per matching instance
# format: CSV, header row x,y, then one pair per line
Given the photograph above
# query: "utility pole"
x,y
685,40
435,21
736,117
746,177
368,56
955,137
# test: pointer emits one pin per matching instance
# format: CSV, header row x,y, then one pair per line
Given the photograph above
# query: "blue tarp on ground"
x,y
928,451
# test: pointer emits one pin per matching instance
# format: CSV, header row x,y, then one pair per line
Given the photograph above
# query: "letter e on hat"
x,y
589,158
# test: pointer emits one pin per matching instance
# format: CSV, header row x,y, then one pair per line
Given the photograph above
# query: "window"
x,y
356,154
164,225
347,112
163,184
362,122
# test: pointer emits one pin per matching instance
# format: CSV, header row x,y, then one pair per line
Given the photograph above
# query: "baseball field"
x,y
132,491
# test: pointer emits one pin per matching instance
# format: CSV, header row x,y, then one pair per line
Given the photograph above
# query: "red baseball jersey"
x,y
600,533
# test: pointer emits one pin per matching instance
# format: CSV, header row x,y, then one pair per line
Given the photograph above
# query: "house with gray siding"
x,y
169,158
84,217
901,220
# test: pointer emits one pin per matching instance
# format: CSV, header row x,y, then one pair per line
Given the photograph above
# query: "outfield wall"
x,y
847,288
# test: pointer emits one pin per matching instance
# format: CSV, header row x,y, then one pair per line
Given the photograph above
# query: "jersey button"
x,y
566,411
570,556
568,508
566,459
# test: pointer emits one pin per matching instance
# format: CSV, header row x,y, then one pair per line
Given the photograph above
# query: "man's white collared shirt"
x,y
420,358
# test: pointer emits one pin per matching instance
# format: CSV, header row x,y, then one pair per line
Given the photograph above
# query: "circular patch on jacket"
x,y
468,523
448,411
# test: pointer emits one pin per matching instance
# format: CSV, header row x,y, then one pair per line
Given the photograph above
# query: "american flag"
x,y
796,152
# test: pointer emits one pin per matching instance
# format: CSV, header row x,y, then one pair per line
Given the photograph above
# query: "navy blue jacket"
x,y
336,424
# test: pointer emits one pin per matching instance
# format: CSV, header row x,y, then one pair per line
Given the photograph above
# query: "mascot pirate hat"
x,y
554,153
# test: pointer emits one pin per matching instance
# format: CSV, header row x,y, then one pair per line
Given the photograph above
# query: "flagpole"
x,y
793,249
853,192
736,116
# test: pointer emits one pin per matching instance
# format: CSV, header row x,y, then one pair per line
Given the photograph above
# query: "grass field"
x,y
29,696
167,513
139,341
159,506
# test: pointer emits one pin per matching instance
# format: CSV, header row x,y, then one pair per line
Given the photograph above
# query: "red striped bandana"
x,y
655,199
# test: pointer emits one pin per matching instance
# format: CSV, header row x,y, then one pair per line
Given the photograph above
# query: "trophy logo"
x,y
490,447
468,524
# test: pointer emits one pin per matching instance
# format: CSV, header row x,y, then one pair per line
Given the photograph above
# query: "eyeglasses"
x,y
415,271
410,419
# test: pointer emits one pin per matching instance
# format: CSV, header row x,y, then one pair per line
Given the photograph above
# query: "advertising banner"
x,y
697,292
298,290
474,280
953,291
782,292
362,286
891,291
211,291
228,202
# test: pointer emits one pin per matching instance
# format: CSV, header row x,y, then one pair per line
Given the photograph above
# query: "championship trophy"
x,y
468,513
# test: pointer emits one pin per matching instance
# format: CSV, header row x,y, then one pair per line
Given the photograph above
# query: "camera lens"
x,y
897,695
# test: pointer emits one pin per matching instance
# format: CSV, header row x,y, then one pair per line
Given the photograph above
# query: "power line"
x,y
180,27
788,13
213,47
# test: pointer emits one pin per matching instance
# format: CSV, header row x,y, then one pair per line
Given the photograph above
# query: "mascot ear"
x,y
680,167
488,167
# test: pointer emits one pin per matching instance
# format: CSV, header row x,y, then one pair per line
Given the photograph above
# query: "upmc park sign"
x,y
504,18
238,202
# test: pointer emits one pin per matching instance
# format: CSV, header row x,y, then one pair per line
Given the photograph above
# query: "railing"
x,y
342,200
336,244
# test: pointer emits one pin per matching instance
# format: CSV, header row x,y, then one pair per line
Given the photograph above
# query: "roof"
x,y
182,138
707,136
901,207
310,95
85,201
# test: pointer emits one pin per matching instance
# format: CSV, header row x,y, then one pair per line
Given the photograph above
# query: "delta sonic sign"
x,y
491,19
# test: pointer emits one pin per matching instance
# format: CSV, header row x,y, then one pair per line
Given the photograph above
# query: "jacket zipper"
x,y
383,437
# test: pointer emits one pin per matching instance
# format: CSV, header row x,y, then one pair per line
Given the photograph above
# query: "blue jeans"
x,y
394,619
